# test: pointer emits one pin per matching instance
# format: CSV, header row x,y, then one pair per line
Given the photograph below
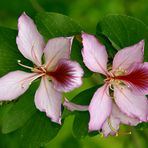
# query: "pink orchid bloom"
x,y
128,80
58,74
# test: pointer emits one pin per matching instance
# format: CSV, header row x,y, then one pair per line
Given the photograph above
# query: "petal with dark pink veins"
x,y
67,75
136,78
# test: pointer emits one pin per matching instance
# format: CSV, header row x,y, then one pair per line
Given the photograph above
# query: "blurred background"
x,y
87,13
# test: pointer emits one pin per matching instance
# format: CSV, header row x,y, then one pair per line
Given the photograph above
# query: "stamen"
x,y
111,87
25,66
114,130
123,133
110,125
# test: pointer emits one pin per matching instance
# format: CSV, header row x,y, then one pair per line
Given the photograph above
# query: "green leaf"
x,y
80,124
37,131
77,56
30,127
85,96
124,31
142,126
9,51
56,25
21,111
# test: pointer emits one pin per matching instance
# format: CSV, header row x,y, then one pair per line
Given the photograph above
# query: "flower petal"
x,y
136,78
129,55
132,105
67,75
14,84
56,49
116,113
110,126
74,107
99,108
94,54
48,100
29,40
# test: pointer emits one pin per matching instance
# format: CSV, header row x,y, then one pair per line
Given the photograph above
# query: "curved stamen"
x,y
28,67
114,130
33,69
110,125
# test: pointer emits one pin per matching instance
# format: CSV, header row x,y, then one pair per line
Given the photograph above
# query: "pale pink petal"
x,y
14,84
74,107
116,113
136,78
67,75
110,126
129,55
56,49
29,41
99,108
94,54
48,100
132,105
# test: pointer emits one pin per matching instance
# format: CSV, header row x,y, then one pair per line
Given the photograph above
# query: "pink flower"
x,y
122,97
58,74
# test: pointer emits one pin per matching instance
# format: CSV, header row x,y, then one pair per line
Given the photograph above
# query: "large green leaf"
x,y
21,111
9,53
31,127
37,131
55,25
124,31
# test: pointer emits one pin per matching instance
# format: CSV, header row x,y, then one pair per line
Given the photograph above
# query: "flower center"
x,y
113,75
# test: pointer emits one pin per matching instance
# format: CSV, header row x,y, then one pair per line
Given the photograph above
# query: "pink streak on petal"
x,y
74,107
57,49
94,54
129,55
14,84
30,42
132,105
67,75
99,108
48,100
137,78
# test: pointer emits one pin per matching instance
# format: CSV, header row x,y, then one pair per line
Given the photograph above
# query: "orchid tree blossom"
x,y
58,73
122,97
